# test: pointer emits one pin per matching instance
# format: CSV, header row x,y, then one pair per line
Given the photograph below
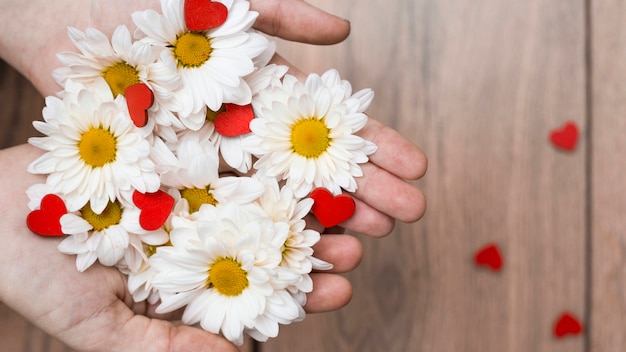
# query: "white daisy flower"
x,y
91,236
196,175
140,285
305,133
281,206
211,63
240,246
122,63
94,152
140,280
231,147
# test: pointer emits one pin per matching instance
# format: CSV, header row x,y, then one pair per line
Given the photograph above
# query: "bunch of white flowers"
x,y
149,149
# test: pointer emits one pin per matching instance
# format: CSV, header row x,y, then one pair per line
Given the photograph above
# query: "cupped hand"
x,y
93,310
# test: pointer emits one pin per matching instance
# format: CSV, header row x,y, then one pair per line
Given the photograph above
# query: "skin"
x,y
92,311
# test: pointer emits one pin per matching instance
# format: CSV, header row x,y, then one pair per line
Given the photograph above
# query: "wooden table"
x,y
479,85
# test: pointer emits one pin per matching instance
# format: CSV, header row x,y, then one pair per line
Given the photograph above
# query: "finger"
x,y
343,251
395,153
390,194
369,221
295,20
330,292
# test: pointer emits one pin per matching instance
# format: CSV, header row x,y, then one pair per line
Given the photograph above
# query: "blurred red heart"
x,y
235,121
565,137
139,98
490,257
331,210
47,220
155,208
567,324
202,15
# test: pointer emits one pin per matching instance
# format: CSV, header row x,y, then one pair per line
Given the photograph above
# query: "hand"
x,y
38,29
92,310
106,317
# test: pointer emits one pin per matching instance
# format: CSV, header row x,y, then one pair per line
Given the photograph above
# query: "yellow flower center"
x,y
227,277
192,49
310,137
198,196
120,76
150,250
111,215
211,115
97,147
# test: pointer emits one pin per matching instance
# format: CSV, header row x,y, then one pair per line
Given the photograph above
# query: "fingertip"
x,y
299,21
343,251
369,221
330,292
419,165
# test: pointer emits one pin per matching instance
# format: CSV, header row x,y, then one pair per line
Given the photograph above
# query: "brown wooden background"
x,y
478,85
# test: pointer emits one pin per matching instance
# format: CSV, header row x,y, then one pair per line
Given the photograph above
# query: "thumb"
x,y
146,334
130,332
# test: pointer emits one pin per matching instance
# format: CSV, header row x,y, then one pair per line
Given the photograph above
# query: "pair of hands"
x,y
92,310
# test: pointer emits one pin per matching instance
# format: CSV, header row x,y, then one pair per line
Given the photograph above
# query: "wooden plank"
x,y
479,85
608,203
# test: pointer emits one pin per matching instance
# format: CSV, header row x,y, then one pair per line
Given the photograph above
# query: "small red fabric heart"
x,y
235,121
565,137
202,15
139,98
331,210
155,208
47,220
567,324
490,257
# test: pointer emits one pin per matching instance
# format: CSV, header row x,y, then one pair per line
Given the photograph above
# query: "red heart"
x,y
47,220
567,324
202,15
139,98
566,137
489,256
235,121
331,210
155,208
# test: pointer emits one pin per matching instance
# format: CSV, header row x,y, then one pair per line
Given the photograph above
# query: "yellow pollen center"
x,y
97,147
111,215
120,76
192,49
198,196
211,115
310,137
150,250
227,277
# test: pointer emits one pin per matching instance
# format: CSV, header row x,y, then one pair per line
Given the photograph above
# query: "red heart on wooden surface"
x,y
47,220
235,121
155,208
490,257
139,98
565,137
567,324
331,210
202,15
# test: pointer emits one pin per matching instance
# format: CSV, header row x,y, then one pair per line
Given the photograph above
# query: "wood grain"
x,y
608,167
478,85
